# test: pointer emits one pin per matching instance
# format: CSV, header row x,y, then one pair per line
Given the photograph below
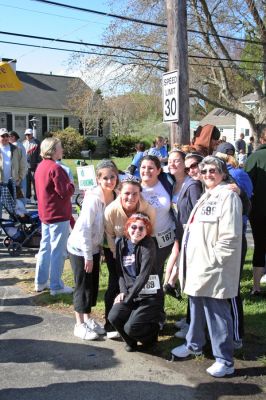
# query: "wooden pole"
x,y
176,11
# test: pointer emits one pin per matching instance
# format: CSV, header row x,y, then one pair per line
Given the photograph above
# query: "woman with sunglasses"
x,y
210,267
84,249
137,308
128,202
186,192
192,161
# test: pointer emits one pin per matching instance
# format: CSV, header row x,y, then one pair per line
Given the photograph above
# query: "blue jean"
x,y
52,254
216,313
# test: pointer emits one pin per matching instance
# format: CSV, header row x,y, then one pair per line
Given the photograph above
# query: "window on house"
x,y
20,124
246,132
55,124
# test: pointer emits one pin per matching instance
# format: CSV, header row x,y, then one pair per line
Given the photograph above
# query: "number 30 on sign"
x,y
170,96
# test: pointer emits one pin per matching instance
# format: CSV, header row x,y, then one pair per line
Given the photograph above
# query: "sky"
x,y
34,18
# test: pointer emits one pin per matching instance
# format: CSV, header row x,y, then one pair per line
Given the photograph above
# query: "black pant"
x,y
258,226
86,284
113,285
138,321
30,180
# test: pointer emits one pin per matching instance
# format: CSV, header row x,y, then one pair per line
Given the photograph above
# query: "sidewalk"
x,y
41,359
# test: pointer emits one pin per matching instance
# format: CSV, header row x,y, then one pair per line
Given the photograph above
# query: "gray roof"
x,y
219,117
41,91
251,97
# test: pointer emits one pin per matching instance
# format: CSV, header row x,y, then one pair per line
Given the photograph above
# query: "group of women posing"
x,y
144,224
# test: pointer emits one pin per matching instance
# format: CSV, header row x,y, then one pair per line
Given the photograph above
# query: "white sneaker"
x,y
179,324
184,352
82,331
40,287
113,335
95,326
219,370
183,332
263,279
64,290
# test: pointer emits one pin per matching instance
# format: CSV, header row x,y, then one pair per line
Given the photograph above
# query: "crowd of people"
x,y
176,223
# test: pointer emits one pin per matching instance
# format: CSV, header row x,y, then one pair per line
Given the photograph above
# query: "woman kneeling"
x,y
136,310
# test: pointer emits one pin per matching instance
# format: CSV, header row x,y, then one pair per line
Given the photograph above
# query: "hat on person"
x,y
28,132
14,133
3,131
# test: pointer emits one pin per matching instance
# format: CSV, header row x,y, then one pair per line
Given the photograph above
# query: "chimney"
x,y
11,61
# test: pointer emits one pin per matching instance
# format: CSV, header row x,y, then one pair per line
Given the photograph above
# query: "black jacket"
x,y
145,266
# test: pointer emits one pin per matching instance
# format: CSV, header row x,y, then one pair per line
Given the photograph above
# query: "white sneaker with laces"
x,y
95,326
183,352
218,370
113,335
179,324
263,279
40,287
183,331
82,331
64,290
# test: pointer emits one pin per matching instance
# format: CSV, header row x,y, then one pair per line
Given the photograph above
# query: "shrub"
x,y
73,142
122,146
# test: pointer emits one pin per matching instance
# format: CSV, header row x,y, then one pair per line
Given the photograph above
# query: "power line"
x,y
145,22
82,43
78,51
125,48
120,56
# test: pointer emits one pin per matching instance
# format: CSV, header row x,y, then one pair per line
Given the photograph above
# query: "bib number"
x,y
151,286
165,238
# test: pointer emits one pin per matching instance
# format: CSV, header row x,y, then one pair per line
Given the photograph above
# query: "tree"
x,y
216,75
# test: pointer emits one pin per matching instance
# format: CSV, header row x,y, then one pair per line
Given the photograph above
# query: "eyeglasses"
x,y
135,227
208,171
5,135
192,166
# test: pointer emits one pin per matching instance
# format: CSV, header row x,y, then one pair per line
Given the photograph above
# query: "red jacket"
x,y
54,191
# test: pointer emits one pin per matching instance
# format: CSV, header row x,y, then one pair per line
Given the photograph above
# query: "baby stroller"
x,y
22,230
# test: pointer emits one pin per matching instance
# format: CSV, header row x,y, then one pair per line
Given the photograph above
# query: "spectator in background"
x,y
206,139
250,147
159,150
32,147
256,168
134,167
225,148
12,163
14,139
241,158
54,190
241,144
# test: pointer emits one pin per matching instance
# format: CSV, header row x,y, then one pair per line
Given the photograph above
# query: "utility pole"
x,y
176,11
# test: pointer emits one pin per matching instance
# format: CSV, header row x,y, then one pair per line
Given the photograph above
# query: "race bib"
x,y
210,212
151,286
165,238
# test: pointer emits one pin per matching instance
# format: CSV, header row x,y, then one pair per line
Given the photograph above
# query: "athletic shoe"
x,y
64,290
40,287
95,326
183,352
131,347
82,331
113,335
218,370
183,332
179,324
172,291
238,344
263,279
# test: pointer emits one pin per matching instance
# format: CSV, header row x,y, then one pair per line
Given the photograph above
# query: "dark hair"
x,y
155,159
140,146
14,133
180,152
138,217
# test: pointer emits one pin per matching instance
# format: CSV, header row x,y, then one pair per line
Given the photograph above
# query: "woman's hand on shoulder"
x,y
119,298
234,188
88,266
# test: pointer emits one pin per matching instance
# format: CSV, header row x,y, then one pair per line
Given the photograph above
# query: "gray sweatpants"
x,y
217,315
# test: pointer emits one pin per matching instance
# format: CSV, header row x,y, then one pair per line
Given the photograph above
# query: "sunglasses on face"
x,y
192,166
206,171
135,227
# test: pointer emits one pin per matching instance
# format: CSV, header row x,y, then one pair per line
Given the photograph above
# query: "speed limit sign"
x,y
170,96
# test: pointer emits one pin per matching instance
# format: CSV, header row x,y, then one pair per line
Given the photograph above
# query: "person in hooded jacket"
x,y
206,139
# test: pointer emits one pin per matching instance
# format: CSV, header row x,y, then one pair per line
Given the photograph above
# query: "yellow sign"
x,y
8,78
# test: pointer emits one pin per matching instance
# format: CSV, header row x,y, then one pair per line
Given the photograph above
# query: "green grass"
x,y
254,311
121,163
